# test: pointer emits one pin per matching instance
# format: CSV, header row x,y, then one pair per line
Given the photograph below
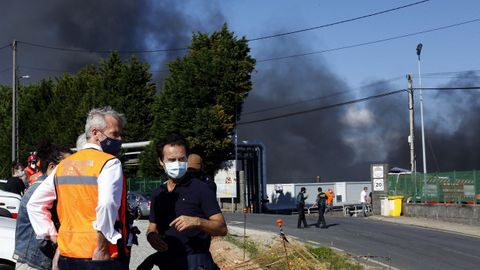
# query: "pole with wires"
x,y
419,51
14,103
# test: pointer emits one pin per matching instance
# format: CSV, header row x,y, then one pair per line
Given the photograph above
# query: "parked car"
x,y
140,202
10,201
7,238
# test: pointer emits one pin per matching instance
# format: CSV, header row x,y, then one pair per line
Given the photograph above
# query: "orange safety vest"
x,y
29,172
77,198
329,197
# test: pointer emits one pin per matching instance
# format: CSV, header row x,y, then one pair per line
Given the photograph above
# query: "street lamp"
x,y
15,140
419,51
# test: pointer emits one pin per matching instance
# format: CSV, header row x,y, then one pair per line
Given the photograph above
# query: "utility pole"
x,y
411,137
14,104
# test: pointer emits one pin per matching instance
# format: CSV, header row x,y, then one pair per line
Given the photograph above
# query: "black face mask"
x,y
111,146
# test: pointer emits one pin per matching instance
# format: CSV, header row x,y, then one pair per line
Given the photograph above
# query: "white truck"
x,y
282,197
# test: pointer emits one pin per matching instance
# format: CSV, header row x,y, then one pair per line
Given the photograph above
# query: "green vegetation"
x,y
55,109
203,95
300,256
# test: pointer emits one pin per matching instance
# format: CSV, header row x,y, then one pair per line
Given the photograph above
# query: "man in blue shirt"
x,y
30,252
184,214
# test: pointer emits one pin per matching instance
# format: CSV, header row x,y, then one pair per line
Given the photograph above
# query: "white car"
x,y
7,238
11,202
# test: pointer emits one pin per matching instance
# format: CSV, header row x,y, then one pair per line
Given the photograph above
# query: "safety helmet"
x,y
32,158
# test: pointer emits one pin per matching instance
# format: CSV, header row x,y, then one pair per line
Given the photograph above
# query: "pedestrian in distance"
x,y
195,167
31,168
90,192
184,214
30,252
16,183
330,195
301,197
321,202
364,200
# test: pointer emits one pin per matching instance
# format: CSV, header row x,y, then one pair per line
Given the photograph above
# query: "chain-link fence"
x,y
445,187
144,185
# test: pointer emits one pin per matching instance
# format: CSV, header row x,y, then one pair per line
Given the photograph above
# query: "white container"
x,y
385,207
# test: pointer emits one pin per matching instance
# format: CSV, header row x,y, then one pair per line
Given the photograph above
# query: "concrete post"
x,y
379,173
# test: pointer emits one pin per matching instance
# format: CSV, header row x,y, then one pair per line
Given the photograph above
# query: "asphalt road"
x,y
407,247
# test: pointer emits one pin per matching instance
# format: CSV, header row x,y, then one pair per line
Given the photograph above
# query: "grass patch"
x,y
335,259
250,246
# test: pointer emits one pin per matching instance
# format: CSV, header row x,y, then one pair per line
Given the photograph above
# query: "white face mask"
x,y
176,169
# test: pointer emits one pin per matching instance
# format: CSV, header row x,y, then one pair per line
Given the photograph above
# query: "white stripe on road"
x,y
235,222
337,249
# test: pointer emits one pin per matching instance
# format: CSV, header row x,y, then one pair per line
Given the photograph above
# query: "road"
x,y
408,247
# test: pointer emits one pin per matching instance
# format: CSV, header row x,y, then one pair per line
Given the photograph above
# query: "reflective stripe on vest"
x,y
77,197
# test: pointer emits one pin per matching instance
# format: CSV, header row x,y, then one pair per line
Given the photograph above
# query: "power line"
x,y
451,77
99,51
296,103
344,92
185,48
368,43
451,72
5,46
322,108
448,88
5,69
320,97
45,69
338,22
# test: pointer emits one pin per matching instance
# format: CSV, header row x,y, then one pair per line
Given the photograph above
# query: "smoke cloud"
x,y
340,143
337,144
96,26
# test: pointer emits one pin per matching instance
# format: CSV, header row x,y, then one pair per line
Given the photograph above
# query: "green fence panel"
x,y
441,187
146,185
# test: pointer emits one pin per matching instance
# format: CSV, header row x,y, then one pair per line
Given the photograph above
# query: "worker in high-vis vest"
x,y
90,193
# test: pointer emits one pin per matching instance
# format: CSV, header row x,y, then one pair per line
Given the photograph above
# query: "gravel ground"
x,y
223,248
143,250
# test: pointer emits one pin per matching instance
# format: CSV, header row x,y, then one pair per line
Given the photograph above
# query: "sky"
x,y
353,50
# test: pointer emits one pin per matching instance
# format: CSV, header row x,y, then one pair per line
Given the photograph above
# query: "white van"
x,y
10,201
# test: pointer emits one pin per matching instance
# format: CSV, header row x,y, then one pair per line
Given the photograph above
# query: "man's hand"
x,y
182,223
55,260
156,241
101,251
100,254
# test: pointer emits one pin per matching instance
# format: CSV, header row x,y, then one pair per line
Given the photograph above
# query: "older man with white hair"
x,y
89,189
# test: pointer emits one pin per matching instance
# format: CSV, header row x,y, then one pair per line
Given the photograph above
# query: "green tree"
x,y
203,96
5,131
56,109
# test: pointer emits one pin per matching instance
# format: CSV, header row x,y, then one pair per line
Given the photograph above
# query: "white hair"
x,y
96,119
81,140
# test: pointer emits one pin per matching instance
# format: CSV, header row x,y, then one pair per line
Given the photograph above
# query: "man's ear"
x,y
51,166
161,162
